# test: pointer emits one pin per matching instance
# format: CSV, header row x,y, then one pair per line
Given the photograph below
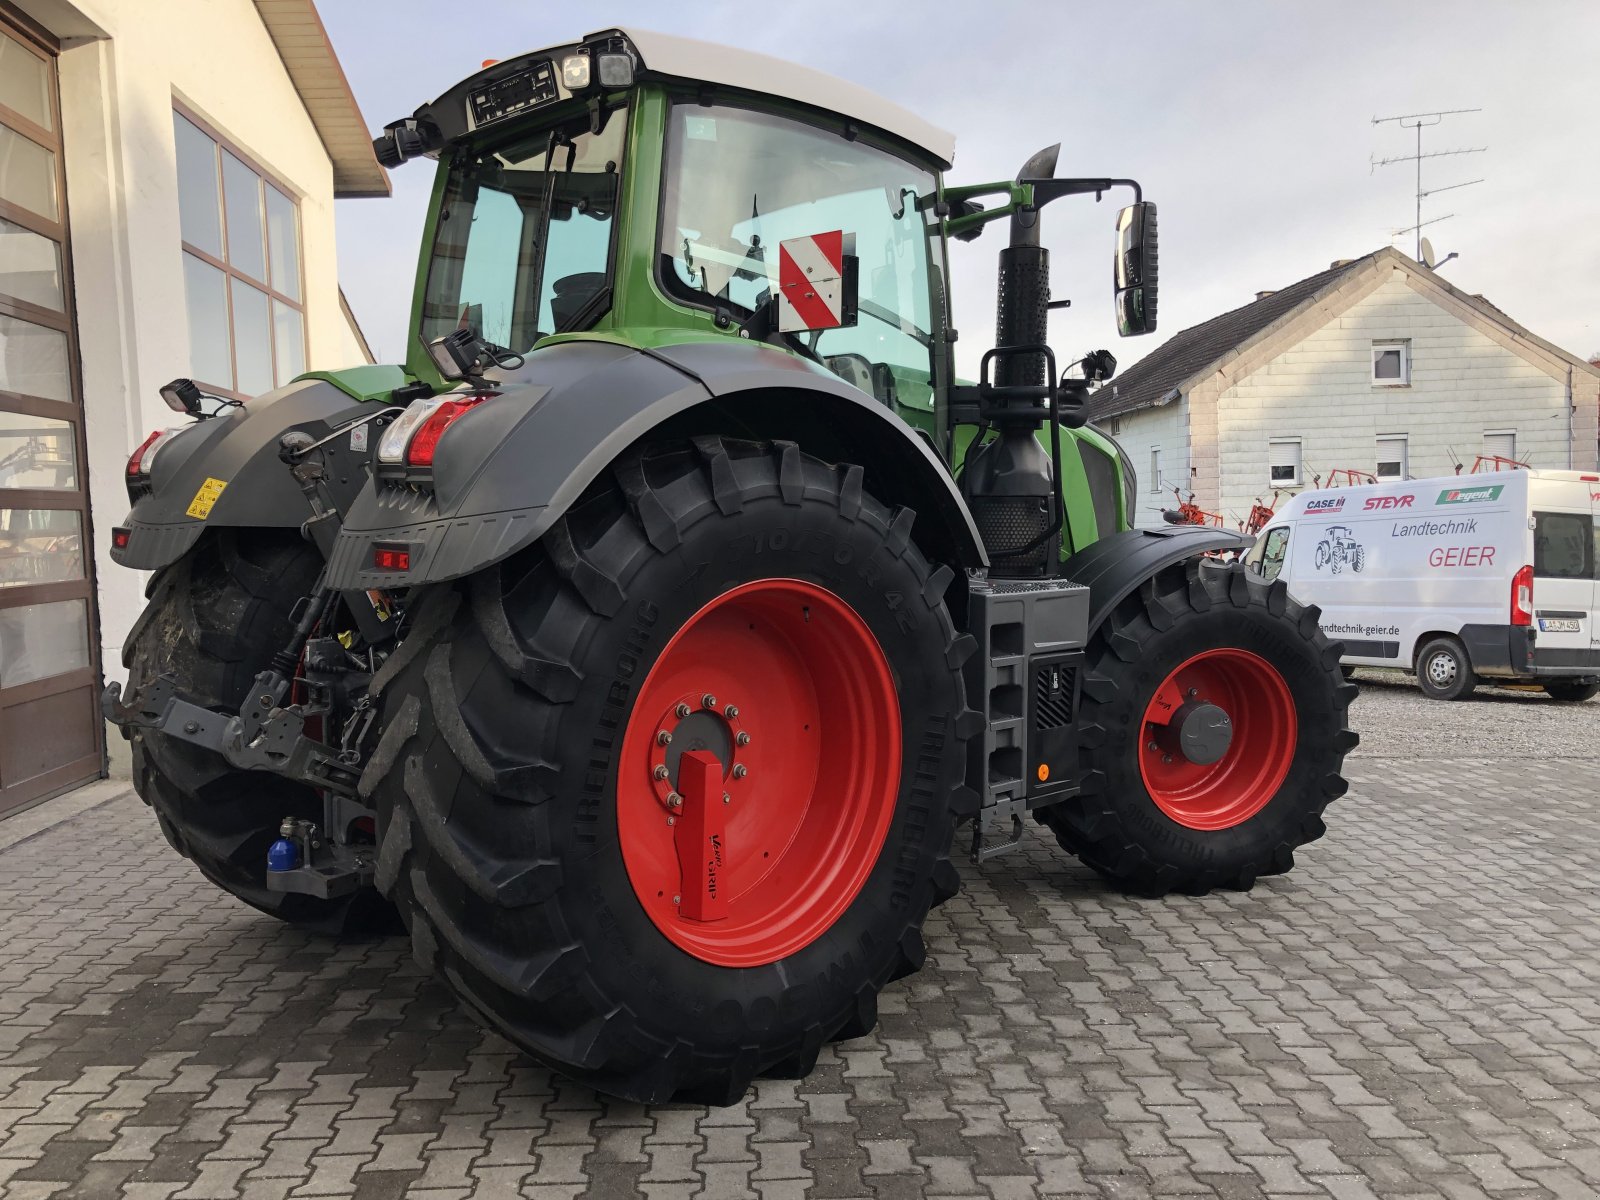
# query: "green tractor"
x,y
643,642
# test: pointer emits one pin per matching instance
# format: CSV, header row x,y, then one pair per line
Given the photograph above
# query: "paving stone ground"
x,y
1414,1012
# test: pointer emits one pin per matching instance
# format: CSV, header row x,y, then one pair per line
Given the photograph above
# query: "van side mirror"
x,y
1134,272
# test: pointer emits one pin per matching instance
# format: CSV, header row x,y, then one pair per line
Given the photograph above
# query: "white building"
x,y
1376,366
167,178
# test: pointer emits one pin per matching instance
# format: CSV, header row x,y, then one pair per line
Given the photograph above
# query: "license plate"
x,y
1559,625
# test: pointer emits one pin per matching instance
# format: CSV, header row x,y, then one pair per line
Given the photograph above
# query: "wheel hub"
x,y
1202,731
688,723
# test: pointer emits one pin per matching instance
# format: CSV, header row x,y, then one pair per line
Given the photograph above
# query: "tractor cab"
x,y
654,190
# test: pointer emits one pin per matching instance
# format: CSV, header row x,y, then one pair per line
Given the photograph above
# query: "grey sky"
x,y
1248,122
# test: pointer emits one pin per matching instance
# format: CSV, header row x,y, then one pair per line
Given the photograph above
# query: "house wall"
x,y
1465,380
122,65
1166,427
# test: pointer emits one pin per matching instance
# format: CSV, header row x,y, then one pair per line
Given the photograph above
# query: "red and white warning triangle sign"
x,y
811,281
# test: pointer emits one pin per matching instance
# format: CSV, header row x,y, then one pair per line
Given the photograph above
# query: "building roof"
x,y
1157,378
1184,359
686,58
302,42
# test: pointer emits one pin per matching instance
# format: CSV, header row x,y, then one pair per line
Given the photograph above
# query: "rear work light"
x,y
1522,597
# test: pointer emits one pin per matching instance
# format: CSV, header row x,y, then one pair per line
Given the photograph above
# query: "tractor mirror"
x,y
1134,271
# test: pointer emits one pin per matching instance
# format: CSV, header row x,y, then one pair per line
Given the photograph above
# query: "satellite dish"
x,y
1427,254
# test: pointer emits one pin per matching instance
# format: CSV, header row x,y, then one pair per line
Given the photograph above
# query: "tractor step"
x,y
1024,680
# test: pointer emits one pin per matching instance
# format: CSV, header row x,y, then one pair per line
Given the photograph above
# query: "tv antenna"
x,y
1419,122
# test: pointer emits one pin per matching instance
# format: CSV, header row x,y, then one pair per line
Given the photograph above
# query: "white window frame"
x,y
1500,433
1403,345
1272,455
1155,470
1404,441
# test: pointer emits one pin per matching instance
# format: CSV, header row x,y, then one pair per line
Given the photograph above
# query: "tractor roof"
x,y
686,58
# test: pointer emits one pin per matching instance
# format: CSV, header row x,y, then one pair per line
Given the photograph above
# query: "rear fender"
x,y
240,450
504,474
1114,566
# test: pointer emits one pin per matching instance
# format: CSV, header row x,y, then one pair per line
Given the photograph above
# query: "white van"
x,y
1456,579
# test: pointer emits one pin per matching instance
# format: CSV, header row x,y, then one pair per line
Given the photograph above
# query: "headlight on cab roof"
x,y
575,72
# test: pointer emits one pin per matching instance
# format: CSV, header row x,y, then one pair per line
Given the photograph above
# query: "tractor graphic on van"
x,y
1339,549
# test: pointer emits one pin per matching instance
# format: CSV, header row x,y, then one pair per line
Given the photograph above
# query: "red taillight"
x,y
1522,597
391,558
137,456
426,440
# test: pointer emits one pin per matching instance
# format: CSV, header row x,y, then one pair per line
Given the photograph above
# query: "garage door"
x,y
50,731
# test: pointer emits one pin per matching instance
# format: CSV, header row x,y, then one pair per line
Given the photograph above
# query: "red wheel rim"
x,y
1261,714
776,696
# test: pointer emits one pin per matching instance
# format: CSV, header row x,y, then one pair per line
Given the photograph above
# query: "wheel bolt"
x,y
727,799
740,771
672,821
674,800
681,711
1193,692
1152,747
708,700
661,771
677,899
743,739
1166,758
731,711
663,738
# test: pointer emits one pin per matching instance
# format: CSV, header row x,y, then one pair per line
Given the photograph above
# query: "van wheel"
x,y
1444,670
1570,691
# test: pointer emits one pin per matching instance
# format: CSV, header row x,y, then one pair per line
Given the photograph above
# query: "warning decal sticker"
x,y
200,507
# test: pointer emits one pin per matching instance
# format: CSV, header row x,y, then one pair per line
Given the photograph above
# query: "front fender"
x,y
240,449
1112,567
504,474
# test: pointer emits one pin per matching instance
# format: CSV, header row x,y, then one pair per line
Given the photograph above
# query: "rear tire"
x,y
1152,823
511,814
1570,691
213,621
1444,672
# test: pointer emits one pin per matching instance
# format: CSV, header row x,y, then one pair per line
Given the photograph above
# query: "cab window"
x,y
1563,546
1267,555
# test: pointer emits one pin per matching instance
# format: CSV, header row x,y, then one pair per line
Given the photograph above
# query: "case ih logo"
x,y
1332,504
1471,495
1381,502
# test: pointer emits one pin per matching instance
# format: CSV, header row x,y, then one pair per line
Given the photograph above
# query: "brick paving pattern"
x,y
1414,1012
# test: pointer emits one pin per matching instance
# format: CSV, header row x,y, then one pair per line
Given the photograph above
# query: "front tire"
x,y
1195,651
528,804
213,621
1444,672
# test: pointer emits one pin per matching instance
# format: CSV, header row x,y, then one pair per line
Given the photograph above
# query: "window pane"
x,y
242,189
25,83
27,174
33,360
30,267
40,545
198,211
1386,364
1562,543
252,339
205,290
288,331
36,452
283,243
40,640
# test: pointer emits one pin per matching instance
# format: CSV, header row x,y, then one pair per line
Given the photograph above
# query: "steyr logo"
x,y
1471,495
1381,502
1330,504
